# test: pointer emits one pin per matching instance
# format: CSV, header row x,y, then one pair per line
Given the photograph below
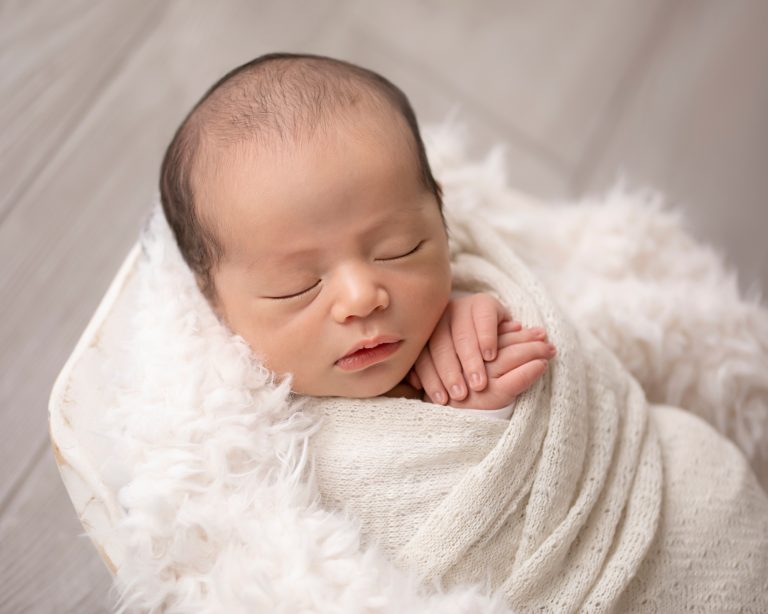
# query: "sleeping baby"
x,y
300,195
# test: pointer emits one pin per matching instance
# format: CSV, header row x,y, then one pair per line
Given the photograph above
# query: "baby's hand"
x,y
522,359
467,334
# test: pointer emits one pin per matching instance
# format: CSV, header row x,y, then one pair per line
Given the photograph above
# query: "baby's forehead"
x,y
236,139
372,205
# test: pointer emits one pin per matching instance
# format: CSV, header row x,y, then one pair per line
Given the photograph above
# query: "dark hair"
x,y
278,94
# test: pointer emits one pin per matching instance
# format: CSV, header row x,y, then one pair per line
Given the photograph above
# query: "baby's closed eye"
x,y
295,295
414,250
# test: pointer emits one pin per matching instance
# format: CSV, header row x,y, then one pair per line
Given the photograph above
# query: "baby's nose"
x,y
359,294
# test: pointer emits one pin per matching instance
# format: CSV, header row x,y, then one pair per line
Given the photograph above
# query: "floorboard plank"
x,y
55,58
544,69
434,98
43,566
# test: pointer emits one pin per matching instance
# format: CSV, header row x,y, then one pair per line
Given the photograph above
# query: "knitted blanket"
x,y
558,507
535,502
235,495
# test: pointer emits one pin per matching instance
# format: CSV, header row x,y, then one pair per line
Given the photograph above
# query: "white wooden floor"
x,y
673,94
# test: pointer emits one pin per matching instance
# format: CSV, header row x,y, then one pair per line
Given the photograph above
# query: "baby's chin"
x,y
373,382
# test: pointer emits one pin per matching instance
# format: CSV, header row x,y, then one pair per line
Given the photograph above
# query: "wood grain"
x,y
55,59
45,566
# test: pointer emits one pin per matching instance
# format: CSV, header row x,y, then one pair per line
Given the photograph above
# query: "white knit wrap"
x,y
558,505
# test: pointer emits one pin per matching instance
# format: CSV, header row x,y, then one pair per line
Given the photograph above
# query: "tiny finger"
x,y
442,348
523,377
509,326
486,316
521,336
515,355
413,379
467,339
430,380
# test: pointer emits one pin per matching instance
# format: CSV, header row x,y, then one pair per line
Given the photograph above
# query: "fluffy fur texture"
x,y
217,512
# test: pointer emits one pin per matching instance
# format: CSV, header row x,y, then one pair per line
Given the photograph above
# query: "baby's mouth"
x,y
367,356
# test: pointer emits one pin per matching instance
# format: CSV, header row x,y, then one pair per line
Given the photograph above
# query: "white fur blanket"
x,y
220,513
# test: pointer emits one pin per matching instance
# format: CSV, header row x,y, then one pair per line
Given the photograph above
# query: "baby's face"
x,y
344,229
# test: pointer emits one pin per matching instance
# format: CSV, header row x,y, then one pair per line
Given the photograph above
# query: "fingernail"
x,y
476,381
439,397
488,354
456,391
544,362
552,349
539,333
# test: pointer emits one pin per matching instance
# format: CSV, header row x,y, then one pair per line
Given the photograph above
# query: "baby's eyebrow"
x,y
276,260
398,224
299,255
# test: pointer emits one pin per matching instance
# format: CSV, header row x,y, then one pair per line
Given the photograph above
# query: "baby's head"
x,y
301,197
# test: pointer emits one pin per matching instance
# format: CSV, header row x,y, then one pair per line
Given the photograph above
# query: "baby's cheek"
x,y
272,347
306,350
433,301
